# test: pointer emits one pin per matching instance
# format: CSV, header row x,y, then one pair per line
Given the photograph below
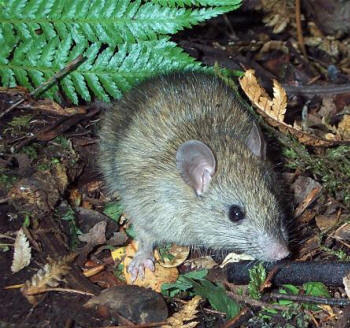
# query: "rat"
x,y
189,162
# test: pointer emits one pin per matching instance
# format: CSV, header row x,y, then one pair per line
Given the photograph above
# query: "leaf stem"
x,y
68,68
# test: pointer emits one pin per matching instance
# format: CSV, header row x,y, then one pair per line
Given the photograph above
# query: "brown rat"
x,y
189,163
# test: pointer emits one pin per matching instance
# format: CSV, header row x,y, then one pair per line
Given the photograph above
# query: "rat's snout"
x,y
276,251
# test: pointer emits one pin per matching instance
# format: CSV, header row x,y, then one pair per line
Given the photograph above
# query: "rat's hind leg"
x,y
143,258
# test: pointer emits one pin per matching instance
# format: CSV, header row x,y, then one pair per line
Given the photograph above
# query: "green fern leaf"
x,y
122,42
212,3
107,21
108,73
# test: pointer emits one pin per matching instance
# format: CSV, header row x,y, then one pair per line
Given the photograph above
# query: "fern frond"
x,y
123,42
106,21
105,74
183,3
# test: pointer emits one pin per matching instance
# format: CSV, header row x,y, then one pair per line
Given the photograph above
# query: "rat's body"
x,y
179,136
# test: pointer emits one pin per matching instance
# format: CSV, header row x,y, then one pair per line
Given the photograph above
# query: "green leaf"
x,y
123,42
21,121
257,276
109,21
130,232
289,289
183,282
317,289
113,210
217,297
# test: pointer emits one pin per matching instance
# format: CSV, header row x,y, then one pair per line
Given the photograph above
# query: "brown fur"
x,y
139,140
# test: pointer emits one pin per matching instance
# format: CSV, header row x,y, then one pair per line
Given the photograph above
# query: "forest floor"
x,y
51,189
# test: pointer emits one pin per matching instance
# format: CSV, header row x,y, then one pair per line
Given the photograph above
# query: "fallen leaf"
x,y
343,232
344,127
153,279
118,254
309,199
187,313
273,110
306,216
325,222
22,253
49,276
309,247
278,14
179,255
75,196
96,235
203,262
233,258
302,187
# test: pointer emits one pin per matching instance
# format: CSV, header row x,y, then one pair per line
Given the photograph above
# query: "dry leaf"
x,y
46,105
22,253
278,14
187,313
309,247
233,258
343,232
325,222
179,253
273,110
118,254
96,235
203,262
344,127
153,279
309,199
49,276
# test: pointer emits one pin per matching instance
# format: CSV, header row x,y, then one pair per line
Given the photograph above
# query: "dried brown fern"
x,y
50,275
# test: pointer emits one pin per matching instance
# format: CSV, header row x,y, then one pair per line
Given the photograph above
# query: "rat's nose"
x,y
277,251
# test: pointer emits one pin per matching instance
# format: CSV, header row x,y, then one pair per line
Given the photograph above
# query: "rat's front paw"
x,y
138,264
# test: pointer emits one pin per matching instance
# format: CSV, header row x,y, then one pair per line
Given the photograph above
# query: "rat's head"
x,y
236,207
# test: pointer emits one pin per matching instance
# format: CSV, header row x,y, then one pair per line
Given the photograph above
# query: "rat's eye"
x,y
235,213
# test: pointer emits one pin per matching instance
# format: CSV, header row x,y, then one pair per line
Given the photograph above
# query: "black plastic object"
x,y
296,273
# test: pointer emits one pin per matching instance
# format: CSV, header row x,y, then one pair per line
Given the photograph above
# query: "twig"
x,y
66,290
307,90
311,299
253,302
142,325
235,320
299,29
4,200
267,283
2,235
3,245
70,66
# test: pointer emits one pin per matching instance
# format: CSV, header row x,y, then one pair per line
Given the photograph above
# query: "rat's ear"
x,y
196,163
256,142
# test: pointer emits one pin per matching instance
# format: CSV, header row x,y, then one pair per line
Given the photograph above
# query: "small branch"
x,y
311,299
299,29
66,290
2,245
2,235
4,200
70,66
310,90
238,317
142,325
254,302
